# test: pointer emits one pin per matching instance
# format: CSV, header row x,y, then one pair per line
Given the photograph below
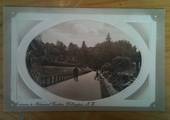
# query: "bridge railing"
x,y
108,86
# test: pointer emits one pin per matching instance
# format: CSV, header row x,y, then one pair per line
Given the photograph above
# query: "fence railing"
x,y
47,80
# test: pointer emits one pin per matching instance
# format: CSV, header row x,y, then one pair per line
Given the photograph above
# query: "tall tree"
x,y
84,53
84,46
73,51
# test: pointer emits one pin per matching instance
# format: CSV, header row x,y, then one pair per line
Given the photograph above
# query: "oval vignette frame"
x,y
46,95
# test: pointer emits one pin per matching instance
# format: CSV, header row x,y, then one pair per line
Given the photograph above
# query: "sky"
x,y
77,31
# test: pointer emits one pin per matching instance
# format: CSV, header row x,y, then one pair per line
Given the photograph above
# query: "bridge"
x,y
86,88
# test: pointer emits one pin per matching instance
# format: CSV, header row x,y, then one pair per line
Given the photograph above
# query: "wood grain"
x,y
92,115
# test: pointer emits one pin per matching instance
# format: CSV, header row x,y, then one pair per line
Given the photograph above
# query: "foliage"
x,y
94,57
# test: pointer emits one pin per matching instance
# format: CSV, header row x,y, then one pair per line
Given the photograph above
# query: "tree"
x,y
73,51
84,54
72,47
84,46
60,46
108,38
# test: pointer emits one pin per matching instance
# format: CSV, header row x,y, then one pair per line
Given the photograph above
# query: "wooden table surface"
x,y
91,115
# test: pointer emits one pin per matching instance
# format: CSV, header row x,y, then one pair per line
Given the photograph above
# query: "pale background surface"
x,y
91,115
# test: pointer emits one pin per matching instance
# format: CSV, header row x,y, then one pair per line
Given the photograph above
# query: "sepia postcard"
x,y
81,59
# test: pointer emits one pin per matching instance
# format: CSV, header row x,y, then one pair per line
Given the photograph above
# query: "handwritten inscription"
x,y
67,104
80,104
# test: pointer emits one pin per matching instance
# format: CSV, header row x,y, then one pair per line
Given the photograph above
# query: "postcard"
x,y
74,59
